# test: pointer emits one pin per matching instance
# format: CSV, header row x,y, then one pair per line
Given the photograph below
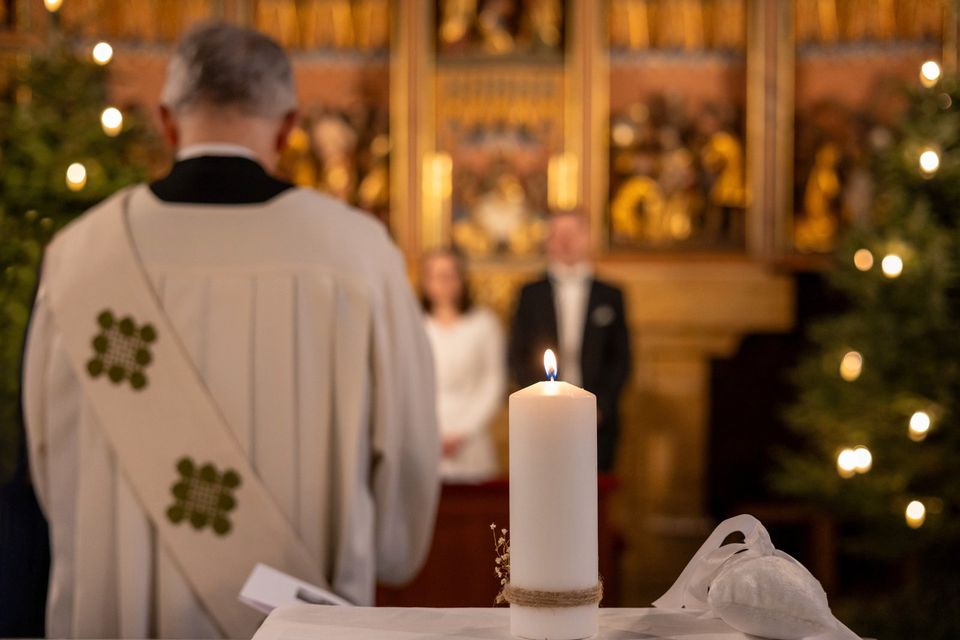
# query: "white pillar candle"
x,y
553,504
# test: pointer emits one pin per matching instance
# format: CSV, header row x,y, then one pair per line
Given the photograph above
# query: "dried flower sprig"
x,y
501,563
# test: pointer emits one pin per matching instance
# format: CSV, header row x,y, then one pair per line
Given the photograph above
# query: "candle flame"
x,y
550,364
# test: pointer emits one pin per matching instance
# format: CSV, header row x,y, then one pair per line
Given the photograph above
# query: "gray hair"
x,y
223,65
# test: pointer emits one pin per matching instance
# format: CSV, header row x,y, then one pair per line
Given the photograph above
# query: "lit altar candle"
x,y
553,505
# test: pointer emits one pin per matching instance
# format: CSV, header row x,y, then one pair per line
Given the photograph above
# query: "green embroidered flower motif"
x,y
121,350
203,496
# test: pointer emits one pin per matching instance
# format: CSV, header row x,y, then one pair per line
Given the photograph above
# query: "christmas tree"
x,y
879,394
63,148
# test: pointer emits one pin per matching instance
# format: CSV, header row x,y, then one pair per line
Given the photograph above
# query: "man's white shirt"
x,y
571,295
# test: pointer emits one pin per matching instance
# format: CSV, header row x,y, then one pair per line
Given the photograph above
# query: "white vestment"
x,y
263,297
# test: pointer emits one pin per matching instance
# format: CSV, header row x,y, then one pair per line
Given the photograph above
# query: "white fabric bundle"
x,y
754,588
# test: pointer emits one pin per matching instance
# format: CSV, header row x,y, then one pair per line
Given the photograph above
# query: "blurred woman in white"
x,y
470,356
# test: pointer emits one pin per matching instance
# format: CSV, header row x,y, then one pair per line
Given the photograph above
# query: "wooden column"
x,y
411,116
951,19
770,112
587,106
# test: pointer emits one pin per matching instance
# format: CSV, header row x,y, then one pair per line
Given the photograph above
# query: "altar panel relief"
x,y
677,159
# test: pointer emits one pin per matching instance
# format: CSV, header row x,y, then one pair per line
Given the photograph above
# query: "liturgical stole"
x,y
171,441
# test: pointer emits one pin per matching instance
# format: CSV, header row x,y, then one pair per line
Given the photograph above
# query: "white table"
x,y
309,622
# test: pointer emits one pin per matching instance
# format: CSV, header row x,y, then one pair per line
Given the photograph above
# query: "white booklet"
x,y
267,588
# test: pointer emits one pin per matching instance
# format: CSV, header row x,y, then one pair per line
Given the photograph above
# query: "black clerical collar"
x,y
218,180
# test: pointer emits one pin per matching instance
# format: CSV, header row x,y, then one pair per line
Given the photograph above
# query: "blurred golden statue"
x,y
297,163
816,230
677,179
373,193
637,210
499,27
456,20
722,157
544,22
335,143
493,22
326,153
500,221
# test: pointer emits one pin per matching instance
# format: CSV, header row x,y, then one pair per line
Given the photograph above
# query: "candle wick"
x,y
552,376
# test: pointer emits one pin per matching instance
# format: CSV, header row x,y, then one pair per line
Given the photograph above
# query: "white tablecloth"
x,y
309,622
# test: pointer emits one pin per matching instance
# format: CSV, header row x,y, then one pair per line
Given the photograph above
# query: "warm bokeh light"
x,y
851,365
550,364
102,53
622,134
892,265
929,73
847,463
929,161
863,260
76,176
53,5
915,513
111,120
919,426
862,459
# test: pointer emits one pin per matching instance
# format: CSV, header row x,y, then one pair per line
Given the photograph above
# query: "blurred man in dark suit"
x,y
583,319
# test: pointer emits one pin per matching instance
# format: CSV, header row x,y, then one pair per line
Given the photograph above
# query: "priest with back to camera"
x,y
223,369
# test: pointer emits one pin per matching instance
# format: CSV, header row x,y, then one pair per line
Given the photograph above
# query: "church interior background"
x,y
719,147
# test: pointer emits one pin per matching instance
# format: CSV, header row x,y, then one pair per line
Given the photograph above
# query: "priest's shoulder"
x,y
348,219
78,229
323,218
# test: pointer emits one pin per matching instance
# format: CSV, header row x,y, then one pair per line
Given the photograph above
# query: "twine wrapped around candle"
x,y
537,599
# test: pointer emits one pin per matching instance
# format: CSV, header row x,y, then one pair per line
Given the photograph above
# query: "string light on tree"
x,y
915,514
929,73
76,176
53,5
892,265
851,365
863,459
929,161
111,120
847,463
102,53
863,259
919,426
